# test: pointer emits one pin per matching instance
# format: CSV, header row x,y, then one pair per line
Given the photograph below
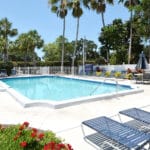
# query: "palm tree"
x,y
60,8
5,33
27,42
130,4
99,6
76,13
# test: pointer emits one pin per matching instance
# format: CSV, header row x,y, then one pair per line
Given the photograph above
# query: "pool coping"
x,y
26,102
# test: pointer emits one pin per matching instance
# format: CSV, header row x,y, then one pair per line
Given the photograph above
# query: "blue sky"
x,y
27,15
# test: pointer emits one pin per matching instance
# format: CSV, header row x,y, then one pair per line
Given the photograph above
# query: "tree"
x,y
99,6
115,37
142,14
27,42
142,24
77,13
53,53
15,54
90,50
60,8
130,4
52,50
5,33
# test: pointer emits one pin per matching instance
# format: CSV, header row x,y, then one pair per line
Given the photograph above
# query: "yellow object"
x,y
98,73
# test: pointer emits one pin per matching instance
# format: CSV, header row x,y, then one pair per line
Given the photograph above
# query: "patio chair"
x,y
110,134
3,73
146,77
141,118
13,72
138,77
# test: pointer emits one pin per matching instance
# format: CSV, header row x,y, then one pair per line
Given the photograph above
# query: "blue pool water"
x,y
60,88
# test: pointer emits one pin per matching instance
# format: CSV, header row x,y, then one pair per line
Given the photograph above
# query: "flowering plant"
x,y
22,137
117,74
107,73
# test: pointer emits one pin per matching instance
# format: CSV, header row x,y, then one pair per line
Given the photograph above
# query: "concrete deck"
x,y
65,122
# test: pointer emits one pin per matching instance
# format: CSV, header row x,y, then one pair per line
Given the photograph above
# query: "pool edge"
x,y
26,102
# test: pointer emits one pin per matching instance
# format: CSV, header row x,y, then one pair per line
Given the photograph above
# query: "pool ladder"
x,y
104,82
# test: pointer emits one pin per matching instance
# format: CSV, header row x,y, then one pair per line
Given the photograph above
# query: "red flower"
x,y
23,144
26,124
33,134
34,130
55,146
60,146
69,147
50,146
41,135
64,146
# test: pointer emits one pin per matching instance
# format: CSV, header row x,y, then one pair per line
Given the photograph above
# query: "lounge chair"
x,y
110,134
141,118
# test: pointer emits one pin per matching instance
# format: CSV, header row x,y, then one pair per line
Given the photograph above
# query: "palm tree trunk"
x,y
6,48
77,33
130,42
63,46
5,52
103,20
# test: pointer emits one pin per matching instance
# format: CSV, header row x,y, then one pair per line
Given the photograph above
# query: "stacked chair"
x,y
107,134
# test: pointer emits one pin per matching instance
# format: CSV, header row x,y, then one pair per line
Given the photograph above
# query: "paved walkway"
x,y
66,122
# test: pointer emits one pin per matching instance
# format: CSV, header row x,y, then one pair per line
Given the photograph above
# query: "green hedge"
x,y
40,63
6,66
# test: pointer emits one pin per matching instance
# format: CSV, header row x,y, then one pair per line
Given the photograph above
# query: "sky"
x,y
26,15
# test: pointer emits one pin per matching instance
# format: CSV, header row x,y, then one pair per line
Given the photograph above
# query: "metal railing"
x,y
114,80
103,83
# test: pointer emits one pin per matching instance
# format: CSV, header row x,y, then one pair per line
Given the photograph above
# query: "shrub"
x,y
129,76
117,74
98,73
21,137
107,73
7,65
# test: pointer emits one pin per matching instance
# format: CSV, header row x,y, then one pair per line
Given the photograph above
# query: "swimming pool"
x,y
60,91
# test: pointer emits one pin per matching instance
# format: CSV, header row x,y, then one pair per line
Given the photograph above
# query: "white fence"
x,y
44,70
67,70
120,68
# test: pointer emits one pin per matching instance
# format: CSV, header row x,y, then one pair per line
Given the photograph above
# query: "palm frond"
x,y
54,9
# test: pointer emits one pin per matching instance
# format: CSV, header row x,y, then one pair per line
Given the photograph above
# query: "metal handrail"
x,y
115,81
104,82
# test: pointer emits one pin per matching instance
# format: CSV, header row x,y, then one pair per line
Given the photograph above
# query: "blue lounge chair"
x,y
138,114
141,118
114,134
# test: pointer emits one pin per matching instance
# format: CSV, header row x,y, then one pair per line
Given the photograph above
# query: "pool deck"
x,y
66,122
